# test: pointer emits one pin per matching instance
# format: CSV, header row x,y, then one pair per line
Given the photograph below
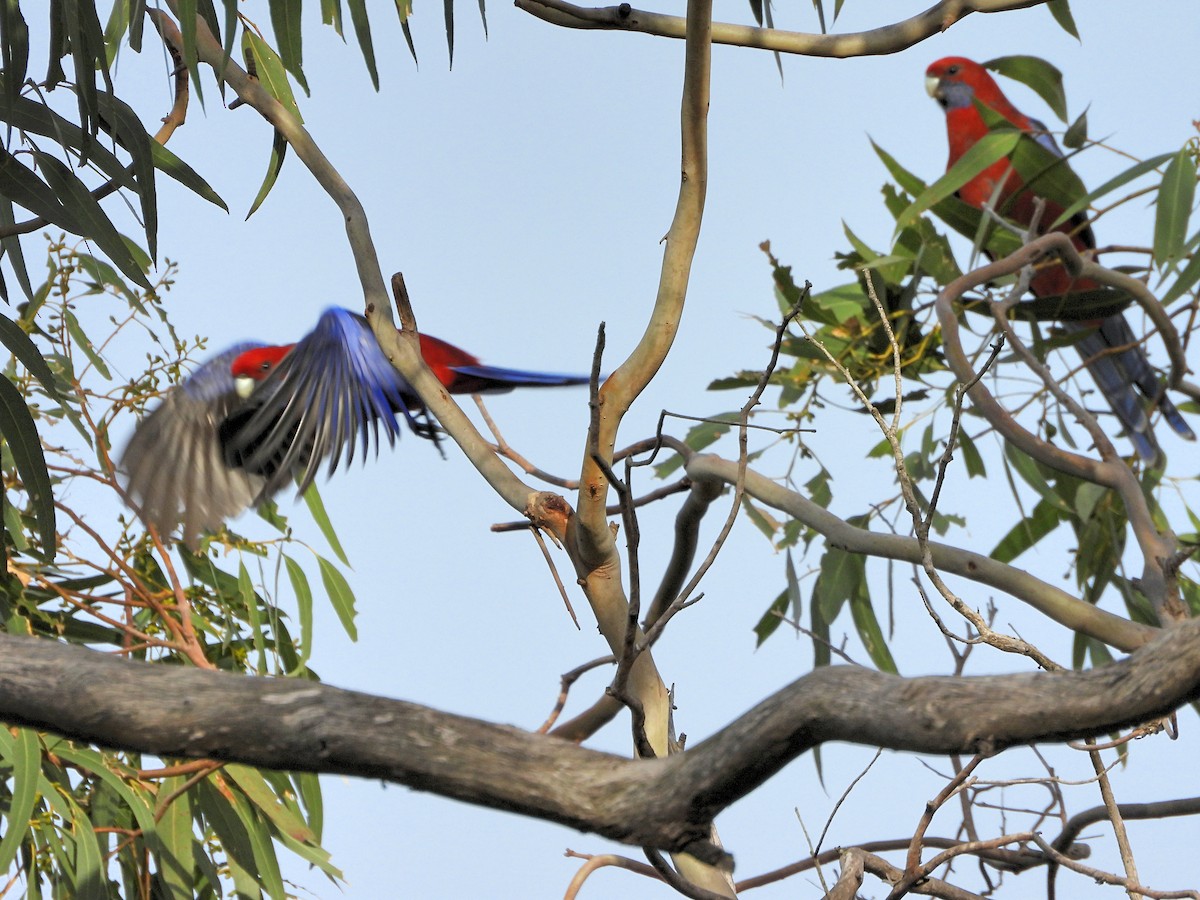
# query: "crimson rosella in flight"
x,y
1111,352
256,417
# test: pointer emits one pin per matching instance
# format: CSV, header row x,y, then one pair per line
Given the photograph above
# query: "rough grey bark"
x,y
287,724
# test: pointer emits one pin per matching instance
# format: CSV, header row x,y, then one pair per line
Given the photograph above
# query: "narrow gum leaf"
x,y
93,222
362,31
1061,10
990,148
22,756
285,19
316,507
1043,78
274,165
1174,207
340,595
270,71
1133,172
18,428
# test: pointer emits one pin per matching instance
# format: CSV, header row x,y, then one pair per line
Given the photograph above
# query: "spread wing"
x,y
334,391
174,466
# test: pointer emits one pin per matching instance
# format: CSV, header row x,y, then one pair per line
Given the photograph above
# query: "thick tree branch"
x,y
982,714
667,803
876,42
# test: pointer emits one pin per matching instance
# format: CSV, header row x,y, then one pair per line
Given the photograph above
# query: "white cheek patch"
x,y
244,385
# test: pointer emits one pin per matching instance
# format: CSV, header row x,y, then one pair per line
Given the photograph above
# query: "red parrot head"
x,y
254,365
955,82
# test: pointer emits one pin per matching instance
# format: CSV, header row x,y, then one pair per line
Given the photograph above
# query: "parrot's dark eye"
x,y
953,70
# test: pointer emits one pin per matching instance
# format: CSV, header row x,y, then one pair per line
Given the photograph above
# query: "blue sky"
x,y
524,194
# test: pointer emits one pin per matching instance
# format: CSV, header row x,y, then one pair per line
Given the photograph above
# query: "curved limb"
x,y
1158,583
1051,601
666,803
878,41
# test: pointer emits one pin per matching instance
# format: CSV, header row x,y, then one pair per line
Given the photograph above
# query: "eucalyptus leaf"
x,y
270,71
21,754
1174,207
340,595
1134,171
1042,77
18,428
94,222
362,31
1061,10
286,21
988,150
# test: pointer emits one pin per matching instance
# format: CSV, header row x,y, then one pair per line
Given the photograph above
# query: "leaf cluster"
x,y
936,238
80,822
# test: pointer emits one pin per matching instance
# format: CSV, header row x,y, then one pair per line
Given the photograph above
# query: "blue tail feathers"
x,y
497,380
1117,363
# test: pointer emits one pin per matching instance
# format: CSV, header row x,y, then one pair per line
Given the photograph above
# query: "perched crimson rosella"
x,y
957,83
251,420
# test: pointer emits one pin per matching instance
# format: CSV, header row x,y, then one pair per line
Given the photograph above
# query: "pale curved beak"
x,y
244,385
933,85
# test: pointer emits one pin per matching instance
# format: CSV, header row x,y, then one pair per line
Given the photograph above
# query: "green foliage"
x,y
1037,74
1061,10
60,189
924,256
1174,208
79,822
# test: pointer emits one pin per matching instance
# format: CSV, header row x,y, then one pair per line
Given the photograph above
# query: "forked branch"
x,y
1157,583
667,803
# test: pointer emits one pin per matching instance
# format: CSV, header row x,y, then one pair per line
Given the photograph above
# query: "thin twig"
x,y
594,862
842,799
913,868
502,447
164,803
661,493
562,590
1114,816
1163,809
566,681
1102,877
1002,642
739,486
1150,728
1010,860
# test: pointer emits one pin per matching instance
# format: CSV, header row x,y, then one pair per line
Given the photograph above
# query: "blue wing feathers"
x,y
206,453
